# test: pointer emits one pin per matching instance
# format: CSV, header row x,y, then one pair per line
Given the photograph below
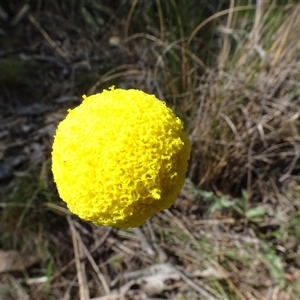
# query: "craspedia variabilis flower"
x,y
119,157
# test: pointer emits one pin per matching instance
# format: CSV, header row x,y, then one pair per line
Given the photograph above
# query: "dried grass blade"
x,y
78,252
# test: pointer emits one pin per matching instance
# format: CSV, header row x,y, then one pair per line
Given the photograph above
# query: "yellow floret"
x,y
119,157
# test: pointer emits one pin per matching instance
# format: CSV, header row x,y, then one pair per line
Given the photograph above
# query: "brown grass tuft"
x,y
246,130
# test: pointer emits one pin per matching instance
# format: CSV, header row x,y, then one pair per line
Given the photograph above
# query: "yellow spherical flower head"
x,y
119,157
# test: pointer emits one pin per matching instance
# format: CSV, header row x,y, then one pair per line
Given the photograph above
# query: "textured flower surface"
x,y
119,157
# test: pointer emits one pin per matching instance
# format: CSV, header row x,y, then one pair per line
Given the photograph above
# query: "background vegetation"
x,y
230,70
